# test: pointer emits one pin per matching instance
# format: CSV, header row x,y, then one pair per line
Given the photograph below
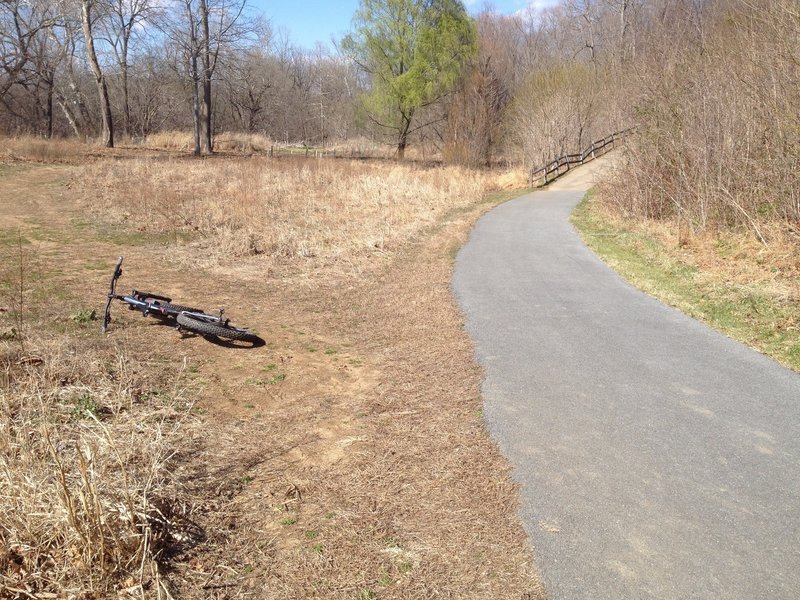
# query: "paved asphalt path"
x,y
656,457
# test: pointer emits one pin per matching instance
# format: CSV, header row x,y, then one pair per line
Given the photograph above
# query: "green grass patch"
x,y
751,314
121,235
13,237
275,379
84,407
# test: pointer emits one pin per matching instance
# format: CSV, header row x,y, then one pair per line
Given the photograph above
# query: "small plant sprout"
x,y
85,406
85,315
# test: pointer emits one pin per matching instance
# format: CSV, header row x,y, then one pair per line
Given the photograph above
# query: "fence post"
x,y
552,170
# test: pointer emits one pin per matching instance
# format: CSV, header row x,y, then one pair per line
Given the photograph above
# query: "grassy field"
x,y
346,458
731,281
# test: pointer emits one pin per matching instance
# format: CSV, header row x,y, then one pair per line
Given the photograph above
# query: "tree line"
x,y
410,71
712,85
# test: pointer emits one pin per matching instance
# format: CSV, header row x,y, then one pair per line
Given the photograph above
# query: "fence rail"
x,y
313,152
563,164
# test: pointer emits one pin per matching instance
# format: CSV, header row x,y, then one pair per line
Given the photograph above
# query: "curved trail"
x,y
657,458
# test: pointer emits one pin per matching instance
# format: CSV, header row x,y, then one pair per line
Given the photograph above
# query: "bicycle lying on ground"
x,y
190,319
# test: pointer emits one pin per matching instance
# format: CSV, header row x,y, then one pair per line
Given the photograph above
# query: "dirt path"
x,y
347,457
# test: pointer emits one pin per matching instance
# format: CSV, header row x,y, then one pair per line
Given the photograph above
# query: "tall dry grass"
x,y
254,143
247,143
86,503
86,434
29,148
325,209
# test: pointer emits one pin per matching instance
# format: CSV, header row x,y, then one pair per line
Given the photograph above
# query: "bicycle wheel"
x,y
217,329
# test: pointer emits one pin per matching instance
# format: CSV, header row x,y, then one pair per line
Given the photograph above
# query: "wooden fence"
x,y
559,166
311,152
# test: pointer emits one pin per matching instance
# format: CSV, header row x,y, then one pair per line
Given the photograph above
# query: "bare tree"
x,y
87,20
203,31
20,24
476,109
69,93
124,17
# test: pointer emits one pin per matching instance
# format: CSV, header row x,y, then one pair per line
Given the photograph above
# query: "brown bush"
x,y
719,124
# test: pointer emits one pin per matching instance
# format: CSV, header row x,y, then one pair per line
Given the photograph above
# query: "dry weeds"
x,y
770,260
85,500
347,458
254,143
329,210
27,148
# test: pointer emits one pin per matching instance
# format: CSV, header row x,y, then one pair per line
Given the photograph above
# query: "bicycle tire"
x,y
217,329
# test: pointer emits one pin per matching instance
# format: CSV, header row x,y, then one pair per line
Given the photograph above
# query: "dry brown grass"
x,y
84,451
28,148
369,474
346,458
332,210
737,255
233,142
88,505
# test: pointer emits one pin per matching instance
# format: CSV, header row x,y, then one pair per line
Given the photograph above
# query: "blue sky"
x,y
309,21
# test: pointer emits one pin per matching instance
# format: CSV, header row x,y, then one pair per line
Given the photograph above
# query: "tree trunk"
x,y
102,88
49,109
71,118
402,138
626,52
194,75
126,106
205,107
196,108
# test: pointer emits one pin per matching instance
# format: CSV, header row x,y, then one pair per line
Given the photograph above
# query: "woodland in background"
x,y
712,87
